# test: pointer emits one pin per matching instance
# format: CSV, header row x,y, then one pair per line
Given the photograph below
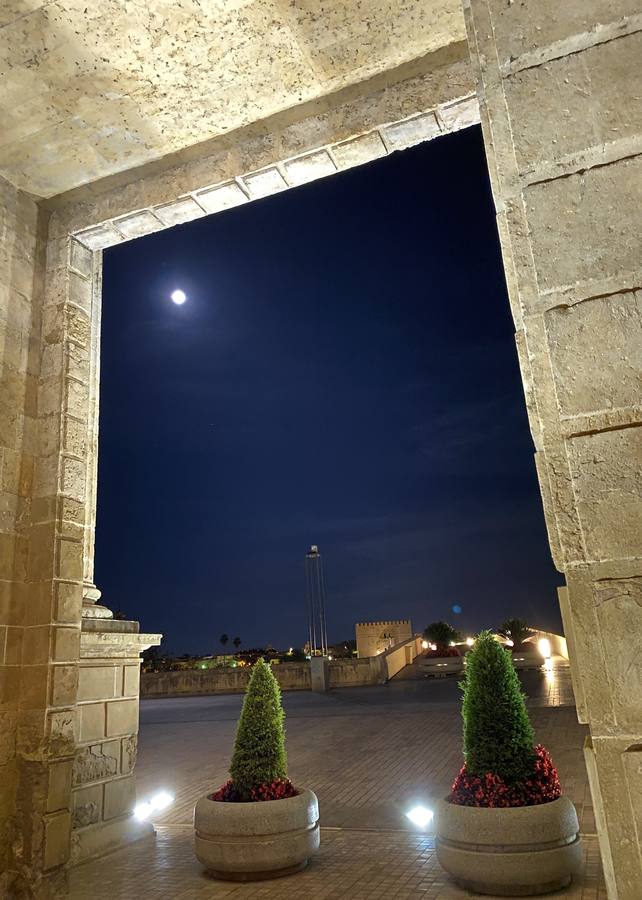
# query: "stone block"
x,y
263,184
74,476
308,168
523,27
97,682
81,258
131,680
411,131
96,762
75,437
87,805
606,469
362,149
596,353
129,753
91,722
462,114
59,788
120,797
57,839
66,643
76,399
34,681
223,196
70,560
12,644
614,767
184,210
80,291
122,717
618,604
68,602
36,645
138,224
572,104
64,685
597,209
100,237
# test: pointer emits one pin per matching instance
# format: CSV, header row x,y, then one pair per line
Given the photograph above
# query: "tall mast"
x,y
315,602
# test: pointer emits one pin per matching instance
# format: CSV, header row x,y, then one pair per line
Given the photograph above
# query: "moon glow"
x,y
178,297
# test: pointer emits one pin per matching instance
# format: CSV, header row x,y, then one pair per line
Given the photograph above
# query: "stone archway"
x,y
562,130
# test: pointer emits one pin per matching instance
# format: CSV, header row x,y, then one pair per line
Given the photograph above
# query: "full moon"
x,y
178,297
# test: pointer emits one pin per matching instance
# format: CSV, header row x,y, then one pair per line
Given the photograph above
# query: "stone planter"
x,y
253,841
514,852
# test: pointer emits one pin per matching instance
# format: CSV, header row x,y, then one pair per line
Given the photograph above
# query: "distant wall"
x,y
357,672
377,637
401,655
291,677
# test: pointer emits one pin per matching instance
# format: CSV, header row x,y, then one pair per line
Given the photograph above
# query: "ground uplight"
x,y
158,802
420,816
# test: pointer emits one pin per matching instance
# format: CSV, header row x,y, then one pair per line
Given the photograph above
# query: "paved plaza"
x,y
369,754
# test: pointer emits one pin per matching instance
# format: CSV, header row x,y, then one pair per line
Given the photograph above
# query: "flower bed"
x,y
490,790
279,789
441,652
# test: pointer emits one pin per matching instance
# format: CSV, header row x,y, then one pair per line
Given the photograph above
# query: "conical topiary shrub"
x,y
259,763
502,767
241,839
498,736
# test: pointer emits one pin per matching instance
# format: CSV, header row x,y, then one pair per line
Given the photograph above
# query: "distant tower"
x,y
315,601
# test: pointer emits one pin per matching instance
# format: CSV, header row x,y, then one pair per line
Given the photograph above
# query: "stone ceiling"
x,y
89,88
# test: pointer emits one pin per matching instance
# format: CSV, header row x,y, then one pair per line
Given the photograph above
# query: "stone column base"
x,y
96,840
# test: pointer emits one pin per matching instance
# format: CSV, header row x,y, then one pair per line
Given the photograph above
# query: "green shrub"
x,y
498,736
259,750
441,633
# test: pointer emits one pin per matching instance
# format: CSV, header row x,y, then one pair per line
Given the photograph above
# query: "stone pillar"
x,y
104,789
27,635
561,108
319,674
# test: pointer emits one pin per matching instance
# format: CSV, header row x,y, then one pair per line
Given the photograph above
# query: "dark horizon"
x,y
343,373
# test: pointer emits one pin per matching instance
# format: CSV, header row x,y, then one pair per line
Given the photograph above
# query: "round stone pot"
x,y
513,852
253,841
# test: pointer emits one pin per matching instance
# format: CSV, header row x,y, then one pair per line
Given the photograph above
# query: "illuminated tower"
x,y
315,601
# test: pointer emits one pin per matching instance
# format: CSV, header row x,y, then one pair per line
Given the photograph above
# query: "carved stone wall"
x,y
561,111
103,784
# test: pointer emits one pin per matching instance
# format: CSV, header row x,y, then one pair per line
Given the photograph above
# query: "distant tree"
x,y
237,642
224,639
120,615
516,630
441,633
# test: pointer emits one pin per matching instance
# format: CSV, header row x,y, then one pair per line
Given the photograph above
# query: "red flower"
x,y
279,789
491,791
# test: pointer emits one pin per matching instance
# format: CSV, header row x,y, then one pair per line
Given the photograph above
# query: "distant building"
x,y
375,637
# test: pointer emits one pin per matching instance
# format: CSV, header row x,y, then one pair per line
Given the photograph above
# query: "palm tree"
x,y
237,642
224,639
516,630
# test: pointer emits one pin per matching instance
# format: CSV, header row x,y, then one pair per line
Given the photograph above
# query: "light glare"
x,y
544,647
159,801
420,816
178,297
470,641
424,645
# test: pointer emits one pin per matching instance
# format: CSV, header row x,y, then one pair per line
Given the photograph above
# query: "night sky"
x,y
343,373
